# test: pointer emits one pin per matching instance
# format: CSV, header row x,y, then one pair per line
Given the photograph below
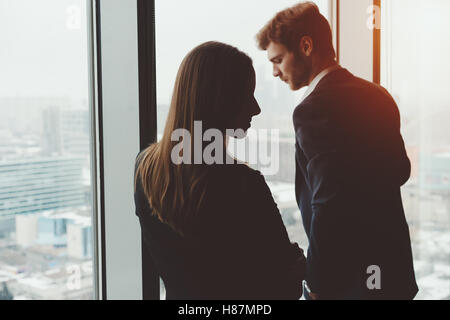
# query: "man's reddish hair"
x,y
290,25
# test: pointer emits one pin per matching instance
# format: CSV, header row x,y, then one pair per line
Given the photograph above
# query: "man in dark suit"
x,y
350,165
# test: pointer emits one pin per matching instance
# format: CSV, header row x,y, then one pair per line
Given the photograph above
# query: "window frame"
x,y
115,98
147,119
362,59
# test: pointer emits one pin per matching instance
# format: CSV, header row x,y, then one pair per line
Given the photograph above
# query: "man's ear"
x,y
306,45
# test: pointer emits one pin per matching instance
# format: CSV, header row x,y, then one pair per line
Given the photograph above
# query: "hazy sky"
x,y
43,48
418,46
182,25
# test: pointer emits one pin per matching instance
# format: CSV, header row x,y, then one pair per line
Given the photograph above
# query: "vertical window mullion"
x,y
147,118
119,144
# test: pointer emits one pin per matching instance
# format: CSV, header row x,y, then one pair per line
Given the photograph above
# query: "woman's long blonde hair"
x,y
209,87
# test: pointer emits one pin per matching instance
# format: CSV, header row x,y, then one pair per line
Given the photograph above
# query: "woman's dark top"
x,y
239,248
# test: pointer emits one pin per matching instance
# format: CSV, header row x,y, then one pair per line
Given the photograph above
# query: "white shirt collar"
x,y
317,79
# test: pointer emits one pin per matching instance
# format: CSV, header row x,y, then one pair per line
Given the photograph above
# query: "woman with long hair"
x,y
213,229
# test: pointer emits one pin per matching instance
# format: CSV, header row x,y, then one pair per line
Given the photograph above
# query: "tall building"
x,y
75,131
79,240
53,229
31,186
26,229
22,116
435,172
51,128
65,131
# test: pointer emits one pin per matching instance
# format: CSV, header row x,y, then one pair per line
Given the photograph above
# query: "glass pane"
x,y
415,69
236,22
46,242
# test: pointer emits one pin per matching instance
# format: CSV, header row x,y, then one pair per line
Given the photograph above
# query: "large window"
x,y
182,25
46,206
415,69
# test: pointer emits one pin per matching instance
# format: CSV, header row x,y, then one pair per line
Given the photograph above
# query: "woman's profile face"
x,y
248,106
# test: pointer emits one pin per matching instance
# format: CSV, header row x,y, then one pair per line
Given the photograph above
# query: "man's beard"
x,y
304,67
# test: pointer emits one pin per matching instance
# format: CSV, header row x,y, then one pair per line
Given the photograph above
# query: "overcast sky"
x,y
182,25
43,43
43,48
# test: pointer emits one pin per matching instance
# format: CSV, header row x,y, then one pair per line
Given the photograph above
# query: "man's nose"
x,y
276,72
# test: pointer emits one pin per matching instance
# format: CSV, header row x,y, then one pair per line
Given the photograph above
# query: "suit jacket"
x,y
350,165
238,249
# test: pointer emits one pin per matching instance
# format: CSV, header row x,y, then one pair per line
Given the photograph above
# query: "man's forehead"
x,y
274,50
